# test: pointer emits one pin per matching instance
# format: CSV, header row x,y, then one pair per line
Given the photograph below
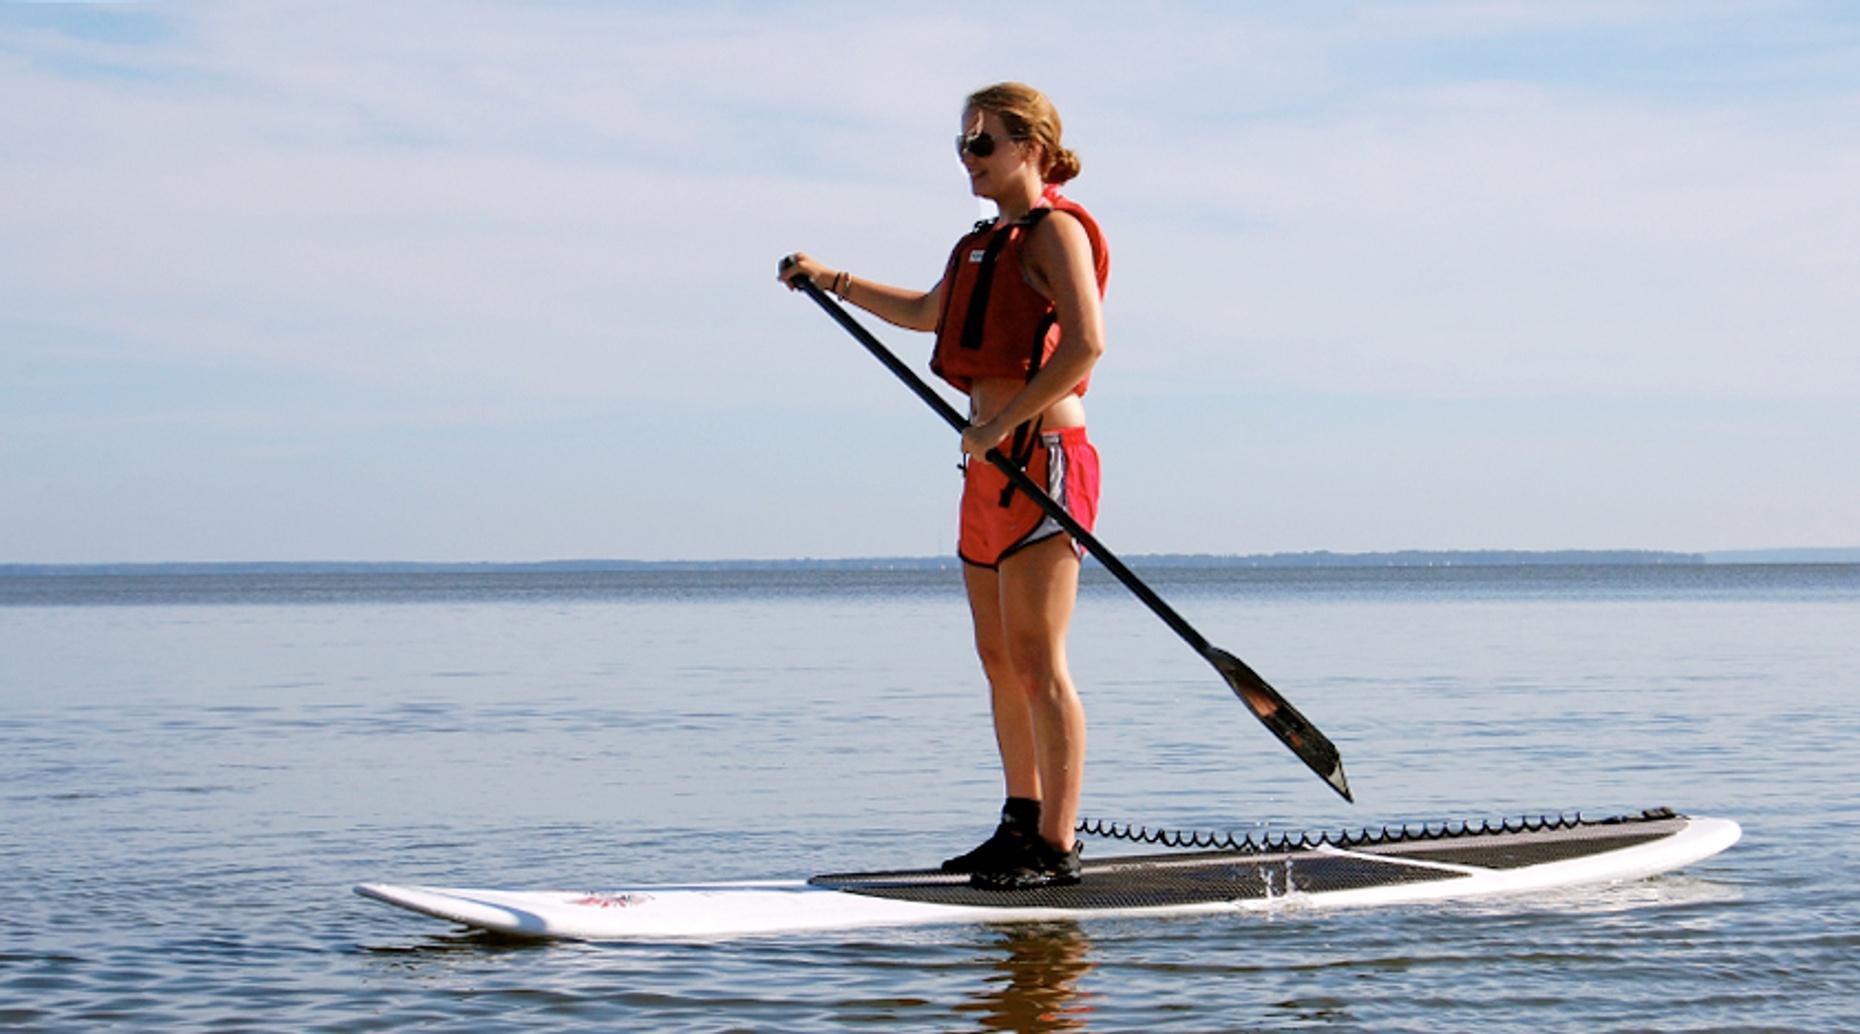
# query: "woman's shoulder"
x,y
1067,234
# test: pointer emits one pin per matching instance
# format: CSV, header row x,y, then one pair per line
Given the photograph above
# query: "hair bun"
x,y
1063,166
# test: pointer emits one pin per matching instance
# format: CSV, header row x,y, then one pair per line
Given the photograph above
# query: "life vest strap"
x,y
985,276
1027,435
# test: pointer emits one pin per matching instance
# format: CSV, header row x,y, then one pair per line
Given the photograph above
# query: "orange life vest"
x,y
993,322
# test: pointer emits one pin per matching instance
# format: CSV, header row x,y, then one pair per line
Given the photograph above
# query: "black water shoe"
x,y
1004,848
1039,865
1020,821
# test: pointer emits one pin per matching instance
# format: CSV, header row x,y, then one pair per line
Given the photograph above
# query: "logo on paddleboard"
x,y
612,900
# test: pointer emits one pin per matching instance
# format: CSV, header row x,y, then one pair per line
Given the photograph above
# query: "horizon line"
x,y
1302,558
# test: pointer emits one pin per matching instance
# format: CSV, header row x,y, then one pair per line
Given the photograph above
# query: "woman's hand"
x,y
977,439
800,264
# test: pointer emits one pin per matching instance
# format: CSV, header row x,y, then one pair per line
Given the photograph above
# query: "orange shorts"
x,y
1064,461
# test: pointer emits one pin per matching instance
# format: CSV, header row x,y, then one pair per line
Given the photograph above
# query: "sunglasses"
x,y
981,145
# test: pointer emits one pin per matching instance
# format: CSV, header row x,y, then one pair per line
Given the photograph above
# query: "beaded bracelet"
x,y
842,282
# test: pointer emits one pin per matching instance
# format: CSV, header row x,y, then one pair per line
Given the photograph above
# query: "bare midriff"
x,y
990,395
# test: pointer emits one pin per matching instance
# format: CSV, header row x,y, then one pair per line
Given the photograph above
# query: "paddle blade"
x,y
1278,715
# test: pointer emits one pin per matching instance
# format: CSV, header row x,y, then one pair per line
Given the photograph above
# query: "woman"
x,y
1019,327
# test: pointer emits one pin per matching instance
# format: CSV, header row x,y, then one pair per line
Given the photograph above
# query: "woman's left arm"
x,y
1060,263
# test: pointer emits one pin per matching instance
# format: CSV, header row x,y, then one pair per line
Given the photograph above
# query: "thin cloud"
x,y
452,215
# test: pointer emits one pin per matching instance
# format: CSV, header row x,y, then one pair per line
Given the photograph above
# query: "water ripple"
x,y
192,782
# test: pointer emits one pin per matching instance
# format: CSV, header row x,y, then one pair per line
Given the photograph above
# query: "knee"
x,y
997,659
1037,670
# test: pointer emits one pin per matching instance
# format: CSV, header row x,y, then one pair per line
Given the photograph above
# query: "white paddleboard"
x,y
1353,871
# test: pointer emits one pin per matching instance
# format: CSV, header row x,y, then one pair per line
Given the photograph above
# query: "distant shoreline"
x,y
1317,559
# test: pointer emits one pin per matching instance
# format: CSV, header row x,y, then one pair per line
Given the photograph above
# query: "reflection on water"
x,y
1033,983
474,943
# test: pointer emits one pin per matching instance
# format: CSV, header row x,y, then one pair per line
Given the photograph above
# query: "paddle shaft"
x,y
1014,473
1283,720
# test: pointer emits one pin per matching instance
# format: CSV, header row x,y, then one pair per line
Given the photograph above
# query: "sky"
x,y
460,280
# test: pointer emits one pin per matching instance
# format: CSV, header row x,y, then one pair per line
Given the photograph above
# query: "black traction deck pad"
x,y
1278,866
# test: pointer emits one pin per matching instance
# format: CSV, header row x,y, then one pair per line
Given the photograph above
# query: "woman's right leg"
x,y
1014,739
1013,717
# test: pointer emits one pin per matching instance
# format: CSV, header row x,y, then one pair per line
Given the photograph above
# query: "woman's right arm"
x,y
901,306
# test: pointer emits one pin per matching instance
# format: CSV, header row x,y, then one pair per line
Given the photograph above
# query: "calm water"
x,y
195,770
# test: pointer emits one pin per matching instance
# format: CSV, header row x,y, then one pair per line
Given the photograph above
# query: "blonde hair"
x,y
1030,116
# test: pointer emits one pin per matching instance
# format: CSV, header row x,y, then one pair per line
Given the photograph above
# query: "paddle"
x,y
1273,710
